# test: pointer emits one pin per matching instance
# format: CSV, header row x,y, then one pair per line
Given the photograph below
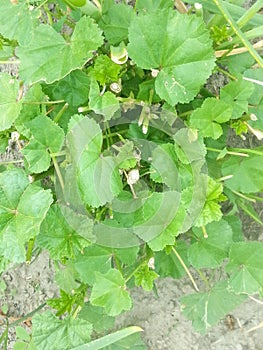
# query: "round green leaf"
x,y
23,207
246,267
109,292
64,232
247,173
9,106
209,116
206,309
48,57
18,21
97,176
179,46
209,252
49,332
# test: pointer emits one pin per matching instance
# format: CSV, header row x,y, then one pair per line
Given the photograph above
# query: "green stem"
x,y
117,133
244,197
59,175
24,318
243,207
134,271
250,13
30,250
185,114
237,151
109,139
251,151
4,337
260,199
61,112
227,152
238,32
10,62
202,275
223,178
11,161
49,16
232,77
185,268
43,102
58,154
117,263
204,232
76,311
43,3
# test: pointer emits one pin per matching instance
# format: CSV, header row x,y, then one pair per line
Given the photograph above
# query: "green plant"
x,y
127,175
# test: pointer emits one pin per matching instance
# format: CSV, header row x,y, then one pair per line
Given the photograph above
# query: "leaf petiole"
x,y
244,197
29,252
57,169
60,113
12,161
134,271
10,62
225,152
238,32
186,269
44,102
249,14
203,277
246,210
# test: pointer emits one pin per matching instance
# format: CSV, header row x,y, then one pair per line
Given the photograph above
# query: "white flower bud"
x,y
30,179
154,72
15,136
198,6
145,129
115,87
151,263
133,176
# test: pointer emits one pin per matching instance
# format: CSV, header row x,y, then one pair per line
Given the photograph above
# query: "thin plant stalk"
x,y
221,53
250,13
246,210
59,175
238,32
10,62
180,6
186,269
244,197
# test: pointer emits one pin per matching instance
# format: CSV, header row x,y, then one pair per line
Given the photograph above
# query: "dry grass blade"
x,y
239,50
180,6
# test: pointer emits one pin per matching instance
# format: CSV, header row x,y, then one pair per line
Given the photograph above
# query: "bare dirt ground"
x,y
164,326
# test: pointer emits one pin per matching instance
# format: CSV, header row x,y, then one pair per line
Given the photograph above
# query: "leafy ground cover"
x,y
126,173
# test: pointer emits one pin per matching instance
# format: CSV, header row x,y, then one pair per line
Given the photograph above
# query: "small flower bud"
x,y
253,117
151,263
115,87
133,176
15,136
154,72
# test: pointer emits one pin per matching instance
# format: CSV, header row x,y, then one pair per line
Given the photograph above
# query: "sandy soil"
x,y
164,326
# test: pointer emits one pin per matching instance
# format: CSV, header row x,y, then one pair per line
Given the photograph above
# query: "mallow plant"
x,y
126,174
